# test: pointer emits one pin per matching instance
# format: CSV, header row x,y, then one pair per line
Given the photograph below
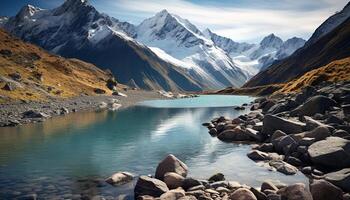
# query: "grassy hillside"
x,y
335,71
34,74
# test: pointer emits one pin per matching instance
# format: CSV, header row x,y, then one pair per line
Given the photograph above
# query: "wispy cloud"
x,y
240,20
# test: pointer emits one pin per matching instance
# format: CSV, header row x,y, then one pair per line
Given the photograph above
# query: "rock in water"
x,y
120,178
242,194
295,192
283,167
324,190
171,164
316,104
340,178
150,186
272,123
334,152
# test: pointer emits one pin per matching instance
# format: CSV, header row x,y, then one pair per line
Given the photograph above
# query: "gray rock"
x,y
173,194
341,133
307,170
217,177
283,167
236,134
324,190
258,194
295,192
198,187
190,182
150,186
333,152
9,86
258,155
340,178
213,131
319,133
273,197
316,104
171,164
173,180
267,185
34,114
294,161
265,147
273,123
120,178
346,109
242,194
286,144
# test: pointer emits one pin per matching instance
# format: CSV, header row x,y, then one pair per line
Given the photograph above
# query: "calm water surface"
x,y
70,156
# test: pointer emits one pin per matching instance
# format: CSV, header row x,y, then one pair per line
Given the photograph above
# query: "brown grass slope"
x,y
333,46
335,71
44,75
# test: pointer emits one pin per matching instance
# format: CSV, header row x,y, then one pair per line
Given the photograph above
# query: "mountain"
x,y
180,42
256,57
28,72
332,46
77,30
330,24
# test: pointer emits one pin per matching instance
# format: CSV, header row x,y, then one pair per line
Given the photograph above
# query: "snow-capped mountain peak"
x,y
271,41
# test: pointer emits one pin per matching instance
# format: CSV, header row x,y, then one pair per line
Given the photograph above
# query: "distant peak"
x,y
27,11
271,41
71,5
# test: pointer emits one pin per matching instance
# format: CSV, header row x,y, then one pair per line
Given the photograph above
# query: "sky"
x,y
240,20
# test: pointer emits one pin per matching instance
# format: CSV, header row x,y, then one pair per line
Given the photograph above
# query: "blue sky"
x,y
241,20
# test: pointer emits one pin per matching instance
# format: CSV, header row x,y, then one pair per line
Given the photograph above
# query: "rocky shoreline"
x,y
24,112
308,131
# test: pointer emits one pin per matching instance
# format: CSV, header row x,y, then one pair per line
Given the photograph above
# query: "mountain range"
x,y
330,42
163,52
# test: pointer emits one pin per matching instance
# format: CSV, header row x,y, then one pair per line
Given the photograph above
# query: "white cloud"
x,y
287,18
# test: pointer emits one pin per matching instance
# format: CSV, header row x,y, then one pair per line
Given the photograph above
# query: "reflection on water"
x,y
70,155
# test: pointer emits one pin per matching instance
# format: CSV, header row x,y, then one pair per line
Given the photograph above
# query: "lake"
x,y
70,156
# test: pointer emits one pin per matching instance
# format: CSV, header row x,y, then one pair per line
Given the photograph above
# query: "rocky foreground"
x,y
170,182
308,131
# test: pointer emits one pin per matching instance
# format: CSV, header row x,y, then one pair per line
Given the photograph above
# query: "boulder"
x,y
295,192
190,182
34,114
236,134
258,194
171,164
150,186
316,104
285,144
254,134
120,178
283,167
340,178
99,91
258,155
265,147
294,161
213,131
307,92
334,152
267,185
272,123
319,133
173,194
173,180
217,177
341,133
242,194
9,86
324,190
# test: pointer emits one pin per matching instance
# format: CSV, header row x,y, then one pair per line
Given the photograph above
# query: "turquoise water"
x,y
72,155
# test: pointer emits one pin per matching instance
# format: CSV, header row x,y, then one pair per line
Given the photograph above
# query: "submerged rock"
x,y
120,178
